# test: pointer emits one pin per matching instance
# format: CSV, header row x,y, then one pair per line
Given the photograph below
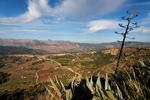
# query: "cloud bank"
x,y
66,8
142,30
86,7
36,9
99,25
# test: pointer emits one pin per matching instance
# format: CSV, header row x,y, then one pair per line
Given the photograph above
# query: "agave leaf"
x,y
97,91
125,89
98,86
111,95
91,80
100,93
48,90
98,82
89,85
107,86
62,86
96,98
103,96
72,82
50,86
142,63
134,75
68,94
57,81
50,94
55,87
119,93
73,85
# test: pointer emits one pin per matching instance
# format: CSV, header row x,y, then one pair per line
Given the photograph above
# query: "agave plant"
x,y
97,90
128,86
57,90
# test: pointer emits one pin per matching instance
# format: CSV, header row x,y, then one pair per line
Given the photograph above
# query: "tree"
x,y
131,25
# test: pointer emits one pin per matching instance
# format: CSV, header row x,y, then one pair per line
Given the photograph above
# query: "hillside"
x,y
6,50
47,46
29,74
56,47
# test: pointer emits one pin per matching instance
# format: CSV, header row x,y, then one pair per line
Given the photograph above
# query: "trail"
x,y
60,66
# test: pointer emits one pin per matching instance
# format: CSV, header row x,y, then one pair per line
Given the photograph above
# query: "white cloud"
x,y
142,30
82,8
146,30
144,25
99,25
36,9
67,8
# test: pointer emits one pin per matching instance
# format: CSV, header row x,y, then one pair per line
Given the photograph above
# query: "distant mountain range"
x,y
27,46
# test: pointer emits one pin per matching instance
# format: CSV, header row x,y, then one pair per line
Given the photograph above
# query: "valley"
x,y
31,69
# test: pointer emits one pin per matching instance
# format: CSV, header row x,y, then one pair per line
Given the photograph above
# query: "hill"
x,y
4,50
56,47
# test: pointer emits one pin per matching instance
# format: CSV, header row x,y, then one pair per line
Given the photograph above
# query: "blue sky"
x,y
74,20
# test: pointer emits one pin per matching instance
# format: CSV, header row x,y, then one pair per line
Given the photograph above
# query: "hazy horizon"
x,y
70,40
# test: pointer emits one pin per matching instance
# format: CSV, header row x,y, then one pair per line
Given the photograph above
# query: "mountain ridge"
x,y
53,46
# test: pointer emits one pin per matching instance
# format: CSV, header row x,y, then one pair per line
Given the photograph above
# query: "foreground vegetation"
x,y
128,84
131,82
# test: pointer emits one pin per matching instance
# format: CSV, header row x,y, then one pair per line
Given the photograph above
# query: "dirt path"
x,y
60,66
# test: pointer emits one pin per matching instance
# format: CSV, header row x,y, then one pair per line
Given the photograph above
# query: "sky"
x,y
89,21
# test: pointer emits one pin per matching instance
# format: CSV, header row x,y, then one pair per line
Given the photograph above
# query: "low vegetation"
x,y
126,85
84,76
85,59
4,77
